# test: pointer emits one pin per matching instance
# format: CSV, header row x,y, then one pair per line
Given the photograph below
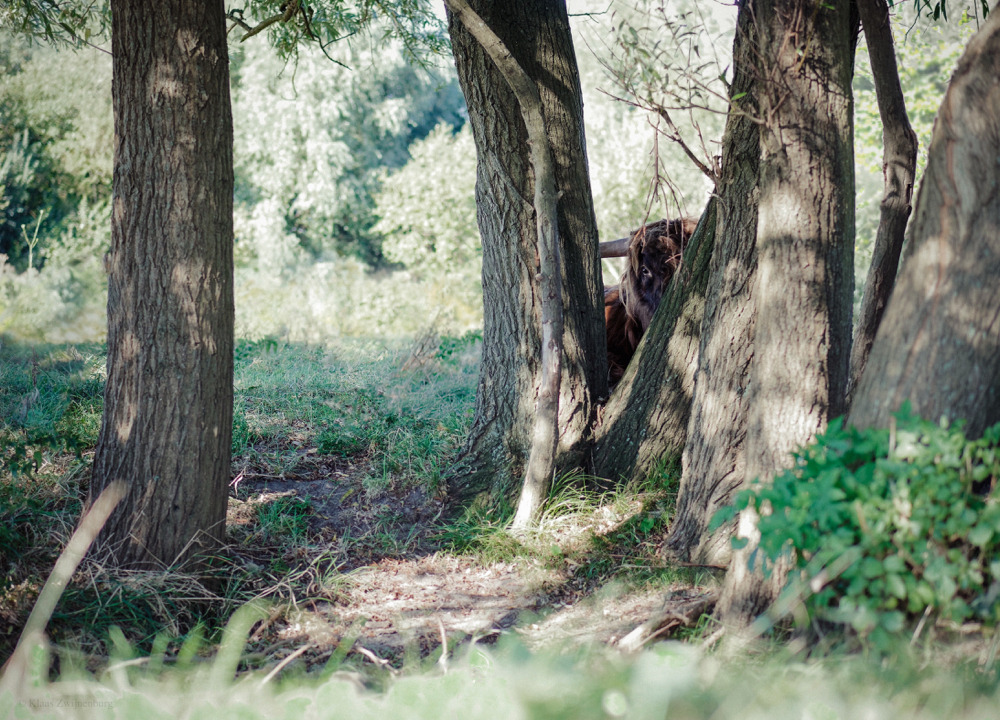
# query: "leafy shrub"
x,y
887,525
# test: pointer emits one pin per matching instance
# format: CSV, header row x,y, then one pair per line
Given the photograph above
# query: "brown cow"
x,y
654,254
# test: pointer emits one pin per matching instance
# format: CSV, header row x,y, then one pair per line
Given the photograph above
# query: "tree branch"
x,y
898,169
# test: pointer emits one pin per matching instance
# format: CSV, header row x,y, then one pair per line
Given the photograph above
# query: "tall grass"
x,y
670,680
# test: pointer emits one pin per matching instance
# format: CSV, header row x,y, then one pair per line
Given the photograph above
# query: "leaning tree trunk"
x,y
646,418
939,342
538,36
167,426
899,168
805,241
713,464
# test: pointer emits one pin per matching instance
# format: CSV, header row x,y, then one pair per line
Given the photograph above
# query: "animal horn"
x,y
615,248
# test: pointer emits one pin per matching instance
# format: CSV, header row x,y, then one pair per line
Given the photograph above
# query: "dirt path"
x,y
394,593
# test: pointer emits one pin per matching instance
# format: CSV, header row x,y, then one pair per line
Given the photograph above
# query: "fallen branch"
x,y
672,616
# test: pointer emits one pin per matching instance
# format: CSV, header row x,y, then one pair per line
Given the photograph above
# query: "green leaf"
x,y
895,586
892,621
980,535
872,568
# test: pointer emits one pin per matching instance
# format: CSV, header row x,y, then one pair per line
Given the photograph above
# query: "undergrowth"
x,y
889,530
507,681
376,417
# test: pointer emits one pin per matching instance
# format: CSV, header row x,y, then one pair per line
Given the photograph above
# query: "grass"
x,y
386,419
388,414
596,534
353,401
507,681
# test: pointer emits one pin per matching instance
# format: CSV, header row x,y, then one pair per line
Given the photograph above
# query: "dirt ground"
x,y
394,593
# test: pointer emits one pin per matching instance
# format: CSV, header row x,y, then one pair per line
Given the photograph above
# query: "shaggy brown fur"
x,y
654,255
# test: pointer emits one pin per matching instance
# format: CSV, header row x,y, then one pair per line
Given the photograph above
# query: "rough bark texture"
x,y
805,243
538,36
713,463
545,437
899,168
645,420
167,424
939,342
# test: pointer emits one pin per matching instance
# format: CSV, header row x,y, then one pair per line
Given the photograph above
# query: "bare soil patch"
x,y
396,593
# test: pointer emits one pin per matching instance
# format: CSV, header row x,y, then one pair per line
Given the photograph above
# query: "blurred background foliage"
x,y
355,171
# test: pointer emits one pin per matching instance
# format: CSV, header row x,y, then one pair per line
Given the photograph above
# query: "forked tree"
x,y
537,35
939,342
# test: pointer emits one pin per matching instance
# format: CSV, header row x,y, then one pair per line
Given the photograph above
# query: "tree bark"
x,y
939,342
542,457
899,169
167,425
805,243
646,418
713,464
538,36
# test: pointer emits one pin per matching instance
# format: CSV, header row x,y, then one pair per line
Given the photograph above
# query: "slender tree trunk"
x,y
167,426
939,342
805,242
646,418
899,169
713,462
538,36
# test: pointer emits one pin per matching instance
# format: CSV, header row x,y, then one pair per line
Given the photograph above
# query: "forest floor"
x,y
337,522
401,589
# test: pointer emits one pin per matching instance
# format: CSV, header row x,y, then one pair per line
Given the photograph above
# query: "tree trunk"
x,y
167,426
899,169
538,36
545,438
939,342
713,463
805,243
646,418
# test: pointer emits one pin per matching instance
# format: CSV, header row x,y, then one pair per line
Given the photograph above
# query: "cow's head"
x,y
654,255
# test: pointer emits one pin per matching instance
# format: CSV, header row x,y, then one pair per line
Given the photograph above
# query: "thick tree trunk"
x,y
899,169
646,418
538,36
939,342
805,243
713,464
167,426
545,437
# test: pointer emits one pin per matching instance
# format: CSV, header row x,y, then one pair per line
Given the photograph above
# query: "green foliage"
x,y
72,22
322,23
428,219
451,349
55,139
938,10
313,139
888,524
509,680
